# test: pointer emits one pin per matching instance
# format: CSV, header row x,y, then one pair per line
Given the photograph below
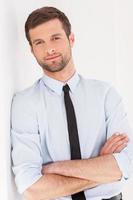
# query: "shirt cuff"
x,y
26,179
124,164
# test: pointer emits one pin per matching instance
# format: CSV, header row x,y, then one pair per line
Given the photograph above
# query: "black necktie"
x,y
73,134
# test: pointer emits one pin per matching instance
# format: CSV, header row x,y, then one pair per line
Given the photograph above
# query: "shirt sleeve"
x,y
116,121
26,148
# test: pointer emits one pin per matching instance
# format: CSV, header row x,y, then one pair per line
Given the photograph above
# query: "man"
x,y
40,124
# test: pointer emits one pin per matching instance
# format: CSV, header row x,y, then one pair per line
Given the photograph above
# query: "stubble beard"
x,y
56,66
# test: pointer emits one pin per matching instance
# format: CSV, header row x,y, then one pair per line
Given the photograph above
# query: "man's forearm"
x,y
53,186
102,169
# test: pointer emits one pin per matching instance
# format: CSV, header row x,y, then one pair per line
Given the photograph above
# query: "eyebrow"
x,y
54,35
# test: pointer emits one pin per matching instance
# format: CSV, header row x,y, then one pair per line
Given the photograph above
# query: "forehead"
x,y
47,29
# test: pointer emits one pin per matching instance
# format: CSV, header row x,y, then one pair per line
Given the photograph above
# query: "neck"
x,y
63,75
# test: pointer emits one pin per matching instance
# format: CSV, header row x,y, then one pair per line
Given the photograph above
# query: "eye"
x,y
39,42
56,38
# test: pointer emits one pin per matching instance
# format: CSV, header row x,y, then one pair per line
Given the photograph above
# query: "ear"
x,y
71,39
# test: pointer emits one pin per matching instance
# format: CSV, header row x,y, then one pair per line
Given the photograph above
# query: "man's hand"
x,y
115,144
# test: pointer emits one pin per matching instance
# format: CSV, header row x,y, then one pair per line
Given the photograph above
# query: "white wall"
x,y
103,50
8,44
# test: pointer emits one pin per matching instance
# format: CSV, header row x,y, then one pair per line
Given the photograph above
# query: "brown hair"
x,y
43,15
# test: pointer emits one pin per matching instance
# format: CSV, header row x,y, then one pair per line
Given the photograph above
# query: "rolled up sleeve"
x,y
117,121
26,148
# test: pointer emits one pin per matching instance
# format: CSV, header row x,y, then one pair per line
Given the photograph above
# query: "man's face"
x,y
50,45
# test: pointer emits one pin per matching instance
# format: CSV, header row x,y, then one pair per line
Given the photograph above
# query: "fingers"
x,y
117,147
115,144
116,141
116,137
120,148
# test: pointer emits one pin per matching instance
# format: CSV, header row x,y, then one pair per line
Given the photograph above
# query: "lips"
x,y
52,57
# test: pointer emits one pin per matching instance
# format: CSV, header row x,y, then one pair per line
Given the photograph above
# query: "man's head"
x,y
48,31
45,14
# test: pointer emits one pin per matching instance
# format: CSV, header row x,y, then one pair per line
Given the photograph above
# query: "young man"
x,y
41,127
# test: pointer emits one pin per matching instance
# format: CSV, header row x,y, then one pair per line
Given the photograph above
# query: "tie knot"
x,y
66,88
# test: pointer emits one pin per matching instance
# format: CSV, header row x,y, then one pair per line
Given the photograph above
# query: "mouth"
x,y
52,57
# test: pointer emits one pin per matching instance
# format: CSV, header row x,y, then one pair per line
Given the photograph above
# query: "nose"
x,y
51,51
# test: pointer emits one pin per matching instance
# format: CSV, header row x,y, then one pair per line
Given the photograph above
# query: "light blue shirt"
x,y
39,129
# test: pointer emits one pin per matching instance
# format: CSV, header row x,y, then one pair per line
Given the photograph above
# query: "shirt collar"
x,y
56,85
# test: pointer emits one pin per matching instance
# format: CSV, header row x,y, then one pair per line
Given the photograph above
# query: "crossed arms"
x,y
64,178
57,179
